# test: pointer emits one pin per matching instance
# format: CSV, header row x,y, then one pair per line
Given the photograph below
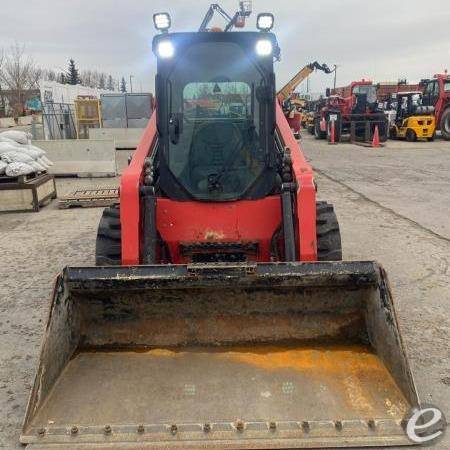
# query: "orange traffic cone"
x,y
376,138
323,125
332,133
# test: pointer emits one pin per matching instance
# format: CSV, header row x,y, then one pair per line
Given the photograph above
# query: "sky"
x,y
382,40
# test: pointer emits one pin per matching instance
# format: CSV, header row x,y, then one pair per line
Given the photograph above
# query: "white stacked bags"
x,y
18,156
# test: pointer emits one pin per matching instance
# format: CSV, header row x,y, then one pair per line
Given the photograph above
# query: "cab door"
x,y
431,94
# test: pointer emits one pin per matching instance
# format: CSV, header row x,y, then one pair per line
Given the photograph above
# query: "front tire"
x,y
329,245
108,249
411,136
393,133
445,124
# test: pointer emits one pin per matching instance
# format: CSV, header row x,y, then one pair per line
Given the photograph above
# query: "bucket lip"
x,y
355,274
246,435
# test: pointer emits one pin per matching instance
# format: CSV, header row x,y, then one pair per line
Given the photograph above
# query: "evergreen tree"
x,y
110,84
123,85
102,81
72,74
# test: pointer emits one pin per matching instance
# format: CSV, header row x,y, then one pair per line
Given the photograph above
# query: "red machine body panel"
x,y
443,100
130,183
231,222
306,192
343,99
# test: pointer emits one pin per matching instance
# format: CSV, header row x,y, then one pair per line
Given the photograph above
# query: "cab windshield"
x,y
369,90
216,131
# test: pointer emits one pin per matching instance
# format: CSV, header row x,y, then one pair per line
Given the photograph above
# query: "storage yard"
x,y
225,261
408,230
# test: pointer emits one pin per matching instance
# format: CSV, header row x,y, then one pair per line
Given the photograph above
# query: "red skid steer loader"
x,y
219,315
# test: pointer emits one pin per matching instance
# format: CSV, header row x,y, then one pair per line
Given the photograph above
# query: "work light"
x,y
265,21
162,21
264,47
166,49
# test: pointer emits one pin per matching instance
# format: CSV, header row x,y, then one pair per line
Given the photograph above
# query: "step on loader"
x,y
220,314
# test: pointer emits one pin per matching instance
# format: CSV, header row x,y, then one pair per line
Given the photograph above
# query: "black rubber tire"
x,y
329,246
445,124
432,138
383,131
411,136
108,249
311,129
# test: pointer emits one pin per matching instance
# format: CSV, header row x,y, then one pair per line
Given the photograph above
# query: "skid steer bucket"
x,y
267,356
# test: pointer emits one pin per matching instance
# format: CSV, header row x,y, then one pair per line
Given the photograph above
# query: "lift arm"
x,y
303,74
244,11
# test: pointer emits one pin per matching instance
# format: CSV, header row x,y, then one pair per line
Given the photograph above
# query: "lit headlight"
x,y
162,21
265,21
264,47
166,49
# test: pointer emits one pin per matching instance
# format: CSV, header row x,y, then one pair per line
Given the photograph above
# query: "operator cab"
x,y
410,104
216,115
365,98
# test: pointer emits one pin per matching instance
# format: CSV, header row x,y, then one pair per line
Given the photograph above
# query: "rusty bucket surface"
x,y
289,355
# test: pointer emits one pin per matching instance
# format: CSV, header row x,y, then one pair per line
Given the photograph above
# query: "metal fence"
x,y
126,110
59,121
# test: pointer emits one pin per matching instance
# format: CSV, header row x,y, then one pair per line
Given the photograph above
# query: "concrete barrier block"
x,y
125,138
25,121
7,122
82,158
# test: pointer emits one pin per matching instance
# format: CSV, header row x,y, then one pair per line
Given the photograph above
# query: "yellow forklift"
x,y
413,120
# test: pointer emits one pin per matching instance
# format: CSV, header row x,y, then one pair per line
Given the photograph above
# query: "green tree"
x,y
72,75
123,85
110,84
102,81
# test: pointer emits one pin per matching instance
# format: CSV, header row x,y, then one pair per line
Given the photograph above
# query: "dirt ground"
x,y
393,205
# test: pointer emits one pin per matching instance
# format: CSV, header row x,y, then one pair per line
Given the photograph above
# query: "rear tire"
x,y
445,124
411,136
329,246
108,249
393,133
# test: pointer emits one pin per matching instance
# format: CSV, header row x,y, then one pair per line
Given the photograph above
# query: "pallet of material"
x,y
90,198
26,192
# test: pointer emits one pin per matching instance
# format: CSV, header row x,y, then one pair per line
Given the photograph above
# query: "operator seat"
x,y
214,145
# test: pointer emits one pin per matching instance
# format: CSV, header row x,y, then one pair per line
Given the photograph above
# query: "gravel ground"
x,y
393,206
